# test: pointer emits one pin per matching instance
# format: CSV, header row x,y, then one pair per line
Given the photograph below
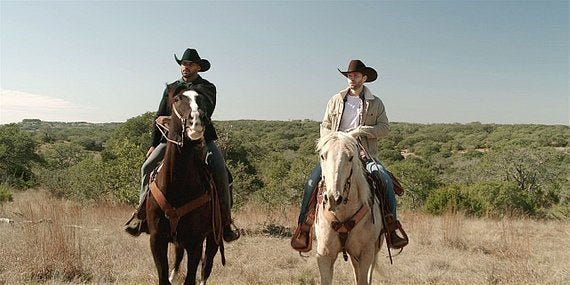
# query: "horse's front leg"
x,y
328,247
326,267
194,254
159,248
208,260
363,265
355,268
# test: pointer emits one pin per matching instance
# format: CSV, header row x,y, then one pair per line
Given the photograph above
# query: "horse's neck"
x,y
181,166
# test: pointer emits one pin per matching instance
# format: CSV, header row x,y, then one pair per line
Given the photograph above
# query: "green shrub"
x,y
389,155
482,199
442,199
500,197
95,179
17,156
456,198
5,193
418,177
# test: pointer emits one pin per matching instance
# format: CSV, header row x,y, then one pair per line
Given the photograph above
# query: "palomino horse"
x,y
181,204
347,220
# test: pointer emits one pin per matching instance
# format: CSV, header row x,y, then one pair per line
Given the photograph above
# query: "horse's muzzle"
x,y
332,201
339,200
194,135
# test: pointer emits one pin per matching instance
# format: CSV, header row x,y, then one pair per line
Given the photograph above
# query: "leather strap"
x,y
344,228
348,225
174,214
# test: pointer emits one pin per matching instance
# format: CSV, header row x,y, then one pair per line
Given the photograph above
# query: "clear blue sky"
x,y
439,62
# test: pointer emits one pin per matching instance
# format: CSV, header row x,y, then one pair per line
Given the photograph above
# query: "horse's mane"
x,y
351,145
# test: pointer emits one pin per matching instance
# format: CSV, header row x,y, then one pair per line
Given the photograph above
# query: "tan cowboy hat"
x,y
192,55
356,65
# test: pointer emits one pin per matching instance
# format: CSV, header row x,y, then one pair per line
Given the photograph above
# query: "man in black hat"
x,y
190,65
358,112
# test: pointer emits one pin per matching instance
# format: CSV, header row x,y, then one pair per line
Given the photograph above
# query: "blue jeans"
x,y
148,166
215,161
315,177
376,167
310,186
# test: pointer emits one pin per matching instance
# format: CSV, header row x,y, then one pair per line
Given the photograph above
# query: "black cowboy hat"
x,y
356,65
192,55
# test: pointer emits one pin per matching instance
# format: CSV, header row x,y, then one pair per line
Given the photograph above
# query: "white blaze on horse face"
x,y
195,130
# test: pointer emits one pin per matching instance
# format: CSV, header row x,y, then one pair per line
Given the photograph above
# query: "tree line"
x,y
479,169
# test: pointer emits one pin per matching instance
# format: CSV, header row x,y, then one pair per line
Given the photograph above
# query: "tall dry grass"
x,y
55,241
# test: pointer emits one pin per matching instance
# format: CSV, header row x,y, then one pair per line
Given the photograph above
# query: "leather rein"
x,y
162,127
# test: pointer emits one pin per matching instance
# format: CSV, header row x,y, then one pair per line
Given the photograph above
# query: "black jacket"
x,y
201,86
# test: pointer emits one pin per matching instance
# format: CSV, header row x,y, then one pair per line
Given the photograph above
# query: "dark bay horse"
x,y
182,205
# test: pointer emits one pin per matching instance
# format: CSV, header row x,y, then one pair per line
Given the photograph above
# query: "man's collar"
x,y
367,94
181,80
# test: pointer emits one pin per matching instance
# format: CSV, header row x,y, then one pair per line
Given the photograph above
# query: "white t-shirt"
x,y
351,114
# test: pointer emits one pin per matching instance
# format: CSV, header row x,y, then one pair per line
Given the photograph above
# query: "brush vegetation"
x,y
484,203
480,169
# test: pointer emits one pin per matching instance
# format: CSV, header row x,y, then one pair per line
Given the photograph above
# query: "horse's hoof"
x,y
173,276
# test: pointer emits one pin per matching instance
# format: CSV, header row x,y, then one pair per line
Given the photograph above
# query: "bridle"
x,y
345,190
183,120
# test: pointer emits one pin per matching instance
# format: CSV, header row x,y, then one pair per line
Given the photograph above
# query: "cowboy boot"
x,y
392,225
228,233
394,241
137,223
302,239
397,242
303,235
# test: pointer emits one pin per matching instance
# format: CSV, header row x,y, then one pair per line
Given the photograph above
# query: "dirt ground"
x,y
53,241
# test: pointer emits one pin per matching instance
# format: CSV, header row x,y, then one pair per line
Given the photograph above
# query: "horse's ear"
x,y
174,90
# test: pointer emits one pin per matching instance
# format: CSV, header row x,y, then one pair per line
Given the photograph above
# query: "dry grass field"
x,y
53,241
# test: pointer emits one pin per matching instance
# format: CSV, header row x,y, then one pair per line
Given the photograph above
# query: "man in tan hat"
x,y
358,112
190,65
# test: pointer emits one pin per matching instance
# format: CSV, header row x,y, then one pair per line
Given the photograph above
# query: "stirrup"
x,y
302,243
134,228
133,216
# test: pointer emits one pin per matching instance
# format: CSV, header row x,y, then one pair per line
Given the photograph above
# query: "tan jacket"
x,y
373,123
